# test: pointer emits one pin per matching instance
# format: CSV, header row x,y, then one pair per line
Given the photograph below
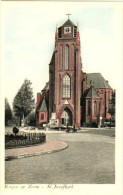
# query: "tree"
x,y
8,112
30,119
23,102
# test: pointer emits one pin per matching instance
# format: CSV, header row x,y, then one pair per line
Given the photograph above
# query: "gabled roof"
x,y
68,23
43,107
92,93
98,80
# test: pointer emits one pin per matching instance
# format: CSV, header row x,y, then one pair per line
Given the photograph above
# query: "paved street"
x,y
89,159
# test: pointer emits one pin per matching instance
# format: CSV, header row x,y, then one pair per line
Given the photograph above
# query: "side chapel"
x,y
72,97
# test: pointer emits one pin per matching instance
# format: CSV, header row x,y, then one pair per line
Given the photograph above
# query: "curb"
x,y
8,158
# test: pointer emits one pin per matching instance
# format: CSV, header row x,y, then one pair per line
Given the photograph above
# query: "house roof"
x,y
92,93
43,107
98,80
68,23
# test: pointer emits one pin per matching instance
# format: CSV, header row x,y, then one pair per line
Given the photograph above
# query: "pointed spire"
x,y
77,27
56,29
91,83
77,35
92,93
43,107
56,35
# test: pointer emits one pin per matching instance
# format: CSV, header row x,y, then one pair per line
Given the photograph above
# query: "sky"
x,y
29,39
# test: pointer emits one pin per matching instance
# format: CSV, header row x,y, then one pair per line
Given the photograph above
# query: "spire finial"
x,y
56,28
68,15
91,83
77,26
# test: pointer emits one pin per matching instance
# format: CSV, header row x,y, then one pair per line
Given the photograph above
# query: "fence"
x,y
25,140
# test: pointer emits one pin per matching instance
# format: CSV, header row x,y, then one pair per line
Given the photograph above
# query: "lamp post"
x,y
100,117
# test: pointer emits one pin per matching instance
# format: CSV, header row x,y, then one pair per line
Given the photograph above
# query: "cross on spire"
x,y
68,15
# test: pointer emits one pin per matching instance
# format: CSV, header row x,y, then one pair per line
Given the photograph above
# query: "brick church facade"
x,y
72,97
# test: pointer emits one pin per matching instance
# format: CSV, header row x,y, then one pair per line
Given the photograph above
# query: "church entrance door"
x,y
66,118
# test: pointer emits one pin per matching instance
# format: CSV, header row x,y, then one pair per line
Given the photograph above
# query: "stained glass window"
x,y
66,87
42,116
95,108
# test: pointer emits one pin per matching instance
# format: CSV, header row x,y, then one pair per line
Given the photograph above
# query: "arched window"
x,y
95,108
60,57
66,87
66,57
72,57
89,108
42,116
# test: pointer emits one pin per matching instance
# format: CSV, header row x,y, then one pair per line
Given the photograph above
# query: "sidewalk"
x,y
48,147
51,131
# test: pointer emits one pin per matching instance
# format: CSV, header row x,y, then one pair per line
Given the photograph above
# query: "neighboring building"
x,y
72,97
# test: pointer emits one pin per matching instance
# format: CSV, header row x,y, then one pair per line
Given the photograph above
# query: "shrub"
x,y
11,137
94,124
15,130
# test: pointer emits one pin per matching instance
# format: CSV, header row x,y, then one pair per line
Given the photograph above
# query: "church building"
x,y
72,97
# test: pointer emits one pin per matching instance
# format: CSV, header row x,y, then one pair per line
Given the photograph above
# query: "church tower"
x,y
72,97
65,76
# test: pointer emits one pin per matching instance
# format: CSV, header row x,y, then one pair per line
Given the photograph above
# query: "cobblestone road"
x,y
89,159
